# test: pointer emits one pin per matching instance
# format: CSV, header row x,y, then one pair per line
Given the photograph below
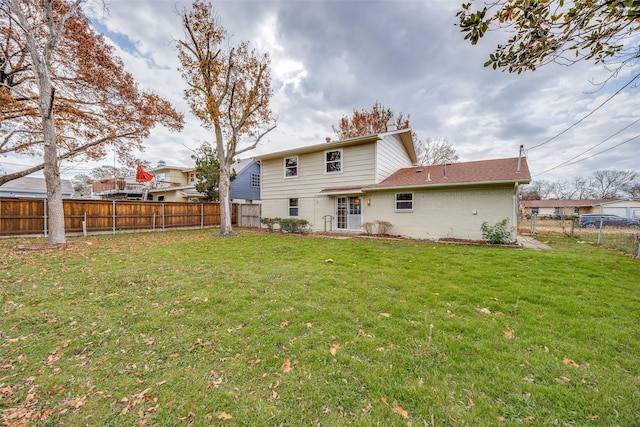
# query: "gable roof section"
x,y
478,172
403,134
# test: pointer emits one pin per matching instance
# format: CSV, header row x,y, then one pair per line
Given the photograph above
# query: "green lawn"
x,y
261,329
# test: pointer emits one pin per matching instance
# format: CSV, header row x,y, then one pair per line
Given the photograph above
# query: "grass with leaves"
x,y
186,328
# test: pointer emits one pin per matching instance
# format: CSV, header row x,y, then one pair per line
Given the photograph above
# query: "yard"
x,y
186,328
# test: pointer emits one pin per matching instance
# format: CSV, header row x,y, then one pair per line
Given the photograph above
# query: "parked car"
x,y
594,220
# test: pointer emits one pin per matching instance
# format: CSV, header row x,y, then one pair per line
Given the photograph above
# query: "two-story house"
x,y
173,184
341,185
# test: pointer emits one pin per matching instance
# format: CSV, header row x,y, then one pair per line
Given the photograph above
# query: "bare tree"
x,y
437,152
611,184
229,89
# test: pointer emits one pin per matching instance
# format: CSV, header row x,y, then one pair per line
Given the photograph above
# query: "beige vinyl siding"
x,y
390,156
444,213
357,169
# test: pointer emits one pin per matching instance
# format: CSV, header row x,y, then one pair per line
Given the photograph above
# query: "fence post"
x,y
201,216
45,218
84,225
600,232
163,217
154,222
533,224
113,216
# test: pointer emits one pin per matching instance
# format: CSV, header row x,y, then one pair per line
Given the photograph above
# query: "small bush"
x,y
368,227
286,225
498,234
378,228
270,223
384,227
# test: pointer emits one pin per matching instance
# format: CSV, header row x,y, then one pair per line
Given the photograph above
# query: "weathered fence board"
x,y
29,216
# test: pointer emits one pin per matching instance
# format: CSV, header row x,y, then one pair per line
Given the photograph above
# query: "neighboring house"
x,y
174,184
339,186
566,208
32,187
625,208
118,188
246,185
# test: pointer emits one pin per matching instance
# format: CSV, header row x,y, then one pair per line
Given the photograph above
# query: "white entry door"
x,y
349,213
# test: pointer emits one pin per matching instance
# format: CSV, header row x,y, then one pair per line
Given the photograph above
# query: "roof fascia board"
x,y
320,147
453,184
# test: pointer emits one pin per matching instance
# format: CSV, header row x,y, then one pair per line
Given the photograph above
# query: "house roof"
x,y
563,203
477,172
404,134
34,184
240,164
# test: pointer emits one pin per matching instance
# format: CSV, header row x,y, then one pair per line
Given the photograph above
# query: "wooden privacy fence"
x,y
30,216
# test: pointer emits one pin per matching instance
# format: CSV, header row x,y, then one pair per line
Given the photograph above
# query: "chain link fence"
x,y
624,239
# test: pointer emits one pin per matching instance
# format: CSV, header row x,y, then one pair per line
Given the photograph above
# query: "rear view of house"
x,y
343,185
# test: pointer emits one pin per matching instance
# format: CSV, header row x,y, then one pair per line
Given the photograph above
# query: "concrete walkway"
x,y
530,242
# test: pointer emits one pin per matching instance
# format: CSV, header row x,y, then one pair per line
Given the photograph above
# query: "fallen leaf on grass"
x,y
563,380
334,348
384,400
286,366
385,314
398,409
284,324
364,334
237,328
224,416
508,334
570,362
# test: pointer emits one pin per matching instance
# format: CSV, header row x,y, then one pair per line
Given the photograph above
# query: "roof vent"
x,y
161,163
328,139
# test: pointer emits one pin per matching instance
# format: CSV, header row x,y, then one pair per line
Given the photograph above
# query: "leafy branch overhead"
x,y
556,31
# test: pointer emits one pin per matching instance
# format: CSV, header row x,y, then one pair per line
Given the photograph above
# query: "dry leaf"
x,y
284,324
385,314
334,348
508,334
570,362
398,409
563,380
286,366
224,416
384,400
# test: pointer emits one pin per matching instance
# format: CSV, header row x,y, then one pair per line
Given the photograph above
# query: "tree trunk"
x,y
52,172
225,201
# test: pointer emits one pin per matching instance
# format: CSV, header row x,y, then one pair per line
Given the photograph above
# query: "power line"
x,y
568,162
585,117
603,151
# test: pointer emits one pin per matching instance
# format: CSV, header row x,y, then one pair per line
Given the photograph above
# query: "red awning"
x,y
142,175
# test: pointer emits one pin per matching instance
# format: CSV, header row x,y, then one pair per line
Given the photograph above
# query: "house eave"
x,y
444,185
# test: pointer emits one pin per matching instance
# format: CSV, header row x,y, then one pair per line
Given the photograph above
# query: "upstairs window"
x,y
404,201
333,161
255,180
291,167
293,207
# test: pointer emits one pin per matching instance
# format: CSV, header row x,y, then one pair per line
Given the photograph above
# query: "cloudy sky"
x,y
331,57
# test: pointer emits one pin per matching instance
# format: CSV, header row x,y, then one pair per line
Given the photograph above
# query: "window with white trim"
x,y
404,201
293,207
333,161
255,180
291,167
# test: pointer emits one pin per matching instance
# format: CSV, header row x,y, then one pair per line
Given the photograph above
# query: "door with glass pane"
x,y
348,213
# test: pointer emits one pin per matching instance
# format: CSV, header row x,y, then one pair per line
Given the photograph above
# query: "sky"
x,y
329,58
